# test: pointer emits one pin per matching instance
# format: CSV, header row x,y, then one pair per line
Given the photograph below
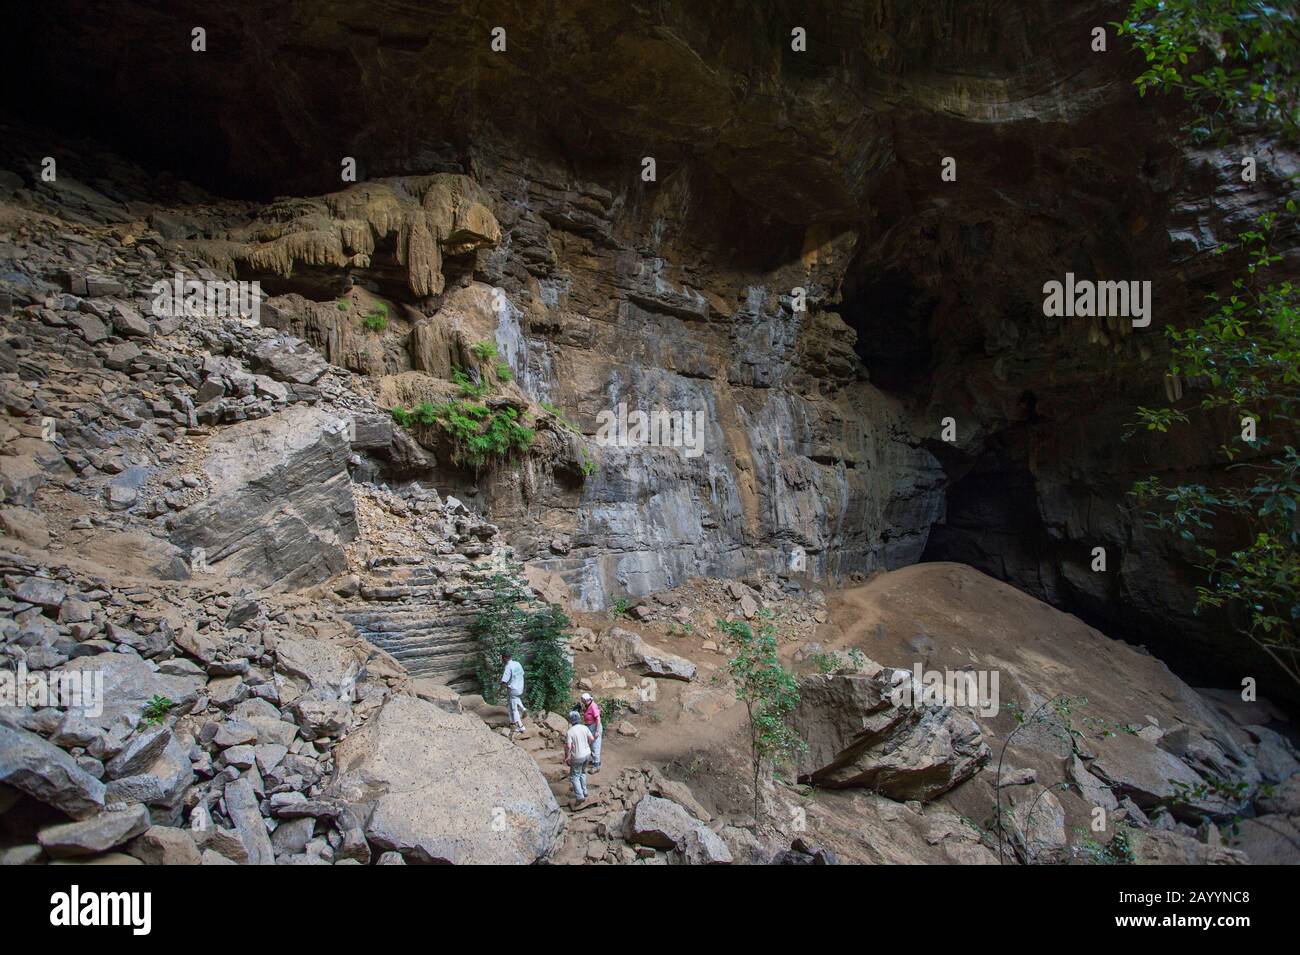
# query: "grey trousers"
x,y
578,777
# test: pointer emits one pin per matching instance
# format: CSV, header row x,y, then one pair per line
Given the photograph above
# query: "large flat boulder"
x,y
281,508
1151,777
322,666
438,786
94,835
47,773
128,684
628,650
857,736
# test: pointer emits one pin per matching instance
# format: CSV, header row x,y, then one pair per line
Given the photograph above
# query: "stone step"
x,y
387,620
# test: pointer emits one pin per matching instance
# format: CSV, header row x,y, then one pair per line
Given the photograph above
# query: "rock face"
x,y
813,292
281,510
600,289
430,578
410,777
822,421
857,736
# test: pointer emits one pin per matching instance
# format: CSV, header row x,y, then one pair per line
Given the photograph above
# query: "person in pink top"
x,y
591,717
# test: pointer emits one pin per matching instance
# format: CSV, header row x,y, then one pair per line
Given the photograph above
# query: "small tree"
x,y
1237,63
1247,354
770,695
550,669
511,623
496,629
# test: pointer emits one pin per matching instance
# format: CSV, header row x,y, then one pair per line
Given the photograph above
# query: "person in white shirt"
x,y
577,753
512,679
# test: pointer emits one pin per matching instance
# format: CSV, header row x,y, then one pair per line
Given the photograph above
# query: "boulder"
x,y
1274,754
129,323
440,695
1162,847
26,854
93,835
20,478
703,846
291,837
1150,776
161,784
659,823
165,845
140,751
548,585
317,665
290,359
1284,798
857,736
1036,824
1269,840
318,718
628,650
241,806
679,793
48,774
1090,787
281,508
441,787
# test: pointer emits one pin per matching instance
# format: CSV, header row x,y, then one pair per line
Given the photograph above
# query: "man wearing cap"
x,y
591,717
577,753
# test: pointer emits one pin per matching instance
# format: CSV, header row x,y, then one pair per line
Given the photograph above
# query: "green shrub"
x,y
611,708
479,435
156,709
559,415
503,372
549,674
536,636
496,630
485,350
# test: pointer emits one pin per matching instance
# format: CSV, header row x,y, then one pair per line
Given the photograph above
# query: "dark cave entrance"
x,y
991,519
892,315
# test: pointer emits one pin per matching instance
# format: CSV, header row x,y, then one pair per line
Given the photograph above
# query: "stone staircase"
x,y
419,609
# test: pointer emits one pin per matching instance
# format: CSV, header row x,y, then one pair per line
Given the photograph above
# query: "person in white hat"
x,y
591,717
